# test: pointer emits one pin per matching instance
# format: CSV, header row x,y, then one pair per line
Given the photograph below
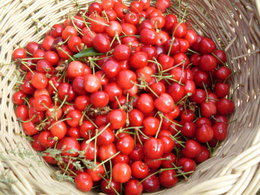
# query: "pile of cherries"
x,y
128,99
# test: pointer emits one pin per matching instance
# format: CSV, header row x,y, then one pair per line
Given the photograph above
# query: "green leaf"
x,y
87,53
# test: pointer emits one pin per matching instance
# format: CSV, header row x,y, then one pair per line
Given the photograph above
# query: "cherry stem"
x,y
27,67
118,103
67,54
160,125
89,140
27,102
108,183
138,137
105,14
28,120
142,132
205,89
65,119
51,83
192,51
175,66
218,59
177,124
95,20
103,162
63,102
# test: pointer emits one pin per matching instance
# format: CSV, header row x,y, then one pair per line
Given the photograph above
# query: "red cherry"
x,y
133,187
145,103
220,131
207,45
139,169
153,148
83,182
69,146
139,60
164,103
125,145
204,133
121,172
151,184
117,118
168,178
208,62
192,149
101,43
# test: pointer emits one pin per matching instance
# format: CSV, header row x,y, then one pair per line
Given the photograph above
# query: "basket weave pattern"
x,y
234,168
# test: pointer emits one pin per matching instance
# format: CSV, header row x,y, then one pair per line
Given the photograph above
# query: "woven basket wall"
x,y
234,168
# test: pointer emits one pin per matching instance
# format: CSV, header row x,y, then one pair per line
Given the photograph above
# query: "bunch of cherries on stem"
x,y
130,99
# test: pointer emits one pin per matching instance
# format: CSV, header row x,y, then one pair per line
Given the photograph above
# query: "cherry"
x,y
151,126
111,68
148,36
89,150
122,52
151,184
188,129
207,45
225,106
139,60
168,144
73,132
21,112
204,133
126,78
18,98
99,99
106,137
31,47
101,43
121,172
153,148
46,139
87,129
27,88
223,73
145,103
168,178
179,30
139,169
117,118
137,153
52,57
191,36
42,102
133,187
192,149
83,182
106,151
39,81
128,29
75,69
136,117
208,62
208,109
36,144
47,42
111,188
120,158
114,29
221,89
221,56
65,91
58,129
164,103
125,145
162,4
95,172
57,30
171,158
187,164
69,146
220,131
204,155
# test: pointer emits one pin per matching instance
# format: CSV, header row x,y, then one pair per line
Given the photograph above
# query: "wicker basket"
x,y
234,168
